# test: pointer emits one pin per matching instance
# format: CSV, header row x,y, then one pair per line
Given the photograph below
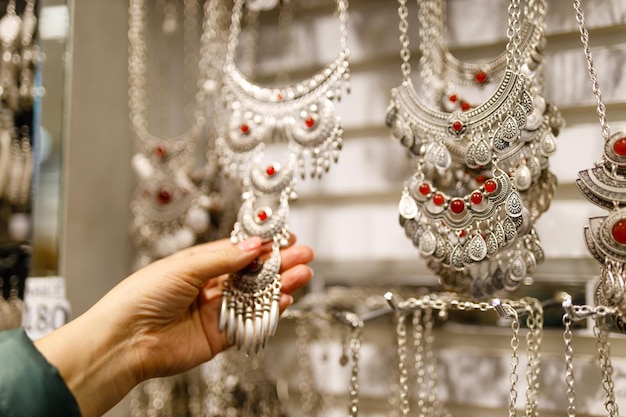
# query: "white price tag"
x,y
45,306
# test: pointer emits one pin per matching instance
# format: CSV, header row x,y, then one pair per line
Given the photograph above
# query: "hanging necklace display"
x,y
463,208
304,116
605,186
416,347
169,205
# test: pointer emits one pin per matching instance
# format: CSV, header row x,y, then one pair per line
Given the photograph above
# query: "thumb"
x,y
201,265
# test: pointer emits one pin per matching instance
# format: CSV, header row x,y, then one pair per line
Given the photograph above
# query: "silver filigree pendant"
x,y
250,303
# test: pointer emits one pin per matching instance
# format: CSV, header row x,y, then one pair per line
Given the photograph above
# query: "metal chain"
x,y
513,35
355,348
569,366
419,361
604,351
304,367
435,406
405,52
593,75
402,370
537,330
513,377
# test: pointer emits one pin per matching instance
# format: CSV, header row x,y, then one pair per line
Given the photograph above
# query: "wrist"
x,y
95,360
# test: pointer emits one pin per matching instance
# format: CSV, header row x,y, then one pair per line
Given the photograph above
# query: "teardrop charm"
x,y
407,206
470,156
548,144
491,243
482,152
440,250
513,205
526,101
499,144
427,243
456,258
535,168
499,234
522,177
510,231
519,113
438,155
509,129
467,259
517,269
531,263
477,248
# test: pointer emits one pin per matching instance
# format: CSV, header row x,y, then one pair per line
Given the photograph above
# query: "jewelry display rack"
x,y
350,218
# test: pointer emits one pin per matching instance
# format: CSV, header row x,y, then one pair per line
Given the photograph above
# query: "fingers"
x,y
295,278
202,262
223,244
295,255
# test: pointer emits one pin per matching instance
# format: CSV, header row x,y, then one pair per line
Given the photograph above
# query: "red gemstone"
x,y
457,205
480,76
457,126
262,215
160,152
619,147
245,129
465,106
309,122
491,186
164,197
270,170
476,197
480,179
453,98
463,233
619,231
424,188
439,199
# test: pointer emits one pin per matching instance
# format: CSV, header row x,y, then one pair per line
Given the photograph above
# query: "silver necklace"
x,y
302,115
604,185
170,204
463,208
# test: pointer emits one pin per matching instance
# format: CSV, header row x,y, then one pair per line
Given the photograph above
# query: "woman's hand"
x,y
161,320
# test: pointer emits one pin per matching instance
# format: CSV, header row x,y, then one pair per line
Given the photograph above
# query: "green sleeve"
x,y
29,385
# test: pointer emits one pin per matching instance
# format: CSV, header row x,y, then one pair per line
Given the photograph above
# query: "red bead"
x,y
309,122
457,206
619,147
453,98
160,152
480,179
262,215
465,106
439,199
424,188
619,231
245,129
476,197
270,170
463,233
457,126
164,197
491,186
480,76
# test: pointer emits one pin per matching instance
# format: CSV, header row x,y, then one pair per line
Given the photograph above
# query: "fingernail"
x,y
250,244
